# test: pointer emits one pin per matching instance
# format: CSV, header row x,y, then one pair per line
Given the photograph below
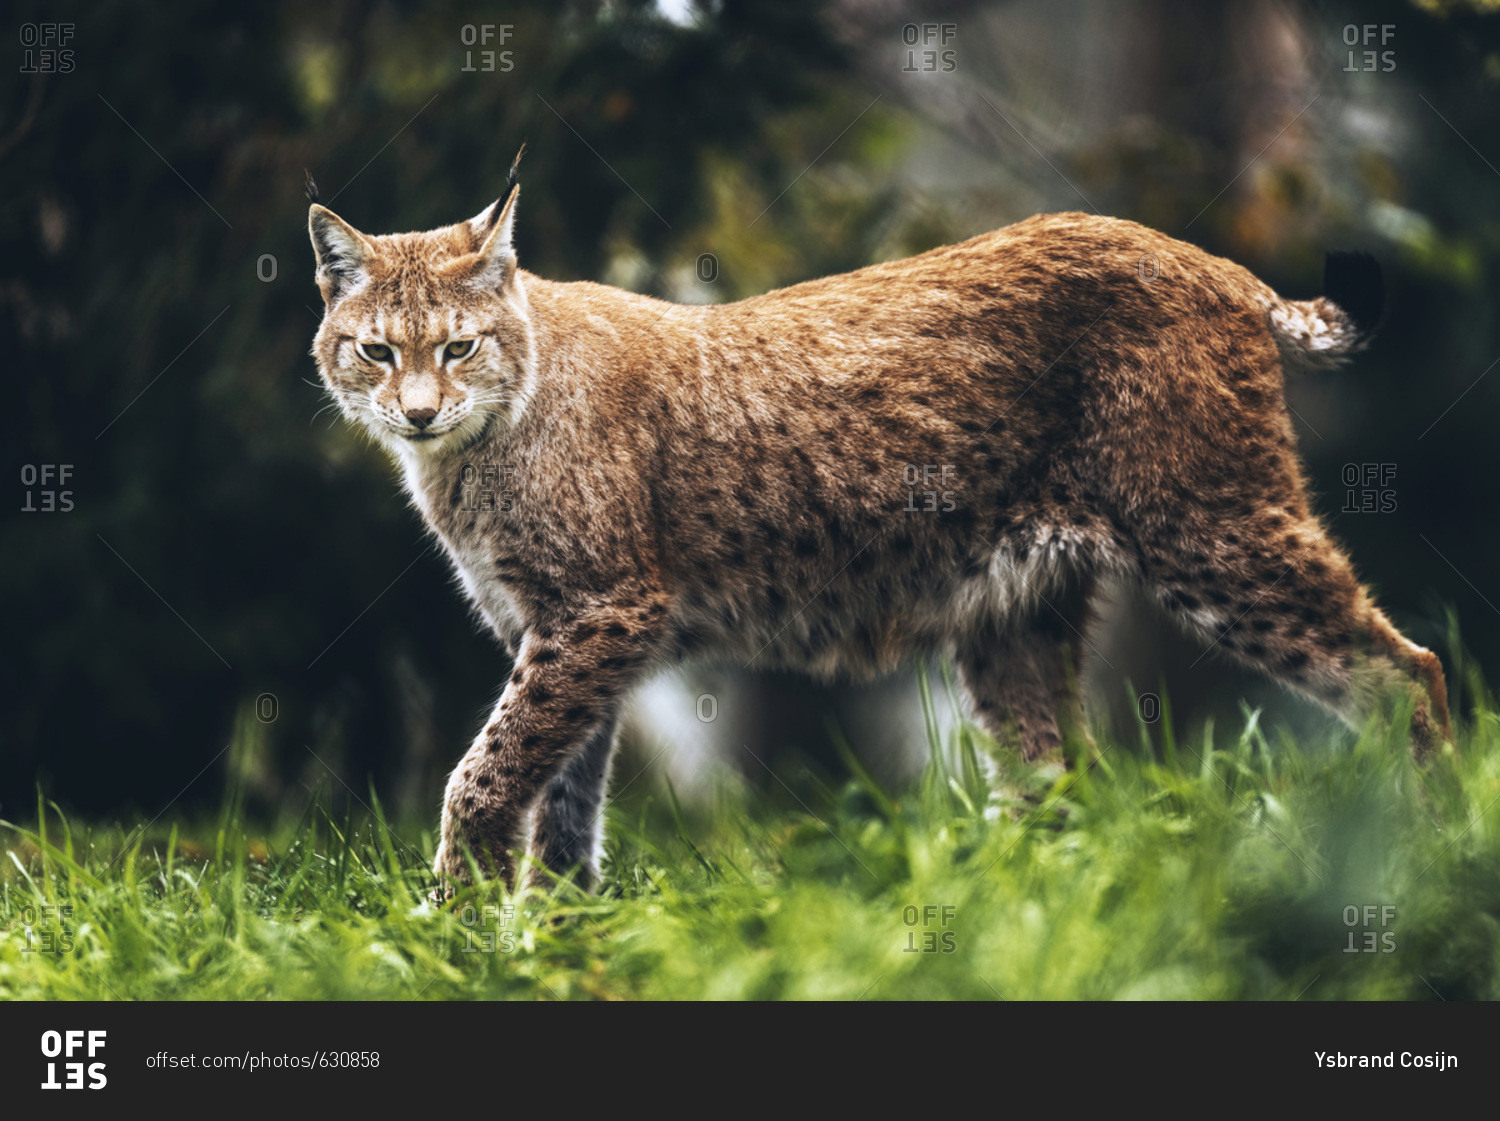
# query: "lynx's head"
x,y
426,339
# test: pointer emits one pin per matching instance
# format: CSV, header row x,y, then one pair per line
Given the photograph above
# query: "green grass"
x,y
1164,870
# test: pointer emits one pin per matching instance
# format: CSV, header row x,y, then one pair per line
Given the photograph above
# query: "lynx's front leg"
x,y
565,690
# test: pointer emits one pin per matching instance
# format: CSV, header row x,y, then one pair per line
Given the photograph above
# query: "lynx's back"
x,y
833,473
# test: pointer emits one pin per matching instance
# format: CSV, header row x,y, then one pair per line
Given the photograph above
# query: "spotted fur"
x,y
944,453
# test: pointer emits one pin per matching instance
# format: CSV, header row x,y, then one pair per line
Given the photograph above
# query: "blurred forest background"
x,y
232,567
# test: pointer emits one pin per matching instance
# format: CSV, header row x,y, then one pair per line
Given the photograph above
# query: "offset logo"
x,y
50,478
934,58
483,34
50,38
934,921
74,1047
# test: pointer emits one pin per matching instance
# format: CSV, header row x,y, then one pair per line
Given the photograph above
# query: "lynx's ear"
x,y
494,226
494,229
342,252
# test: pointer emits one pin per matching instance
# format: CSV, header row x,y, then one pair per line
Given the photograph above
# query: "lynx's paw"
x,y
450,873
462,848
1022,790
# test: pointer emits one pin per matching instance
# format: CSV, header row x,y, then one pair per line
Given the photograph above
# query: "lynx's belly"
x,y
857,628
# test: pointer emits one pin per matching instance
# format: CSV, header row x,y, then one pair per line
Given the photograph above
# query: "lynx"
x,y
945,453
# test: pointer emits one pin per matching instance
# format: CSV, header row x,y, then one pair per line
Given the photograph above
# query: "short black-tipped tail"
x,y
1323,332
1354,282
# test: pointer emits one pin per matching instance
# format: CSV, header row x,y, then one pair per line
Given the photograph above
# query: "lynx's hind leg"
x,y
1277,594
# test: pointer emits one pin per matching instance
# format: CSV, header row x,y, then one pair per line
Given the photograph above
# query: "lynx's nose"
x,y
421,417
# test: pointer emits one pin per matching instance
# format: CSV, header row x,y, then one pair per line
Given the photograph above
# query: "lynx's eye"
x,y
460,349
375,352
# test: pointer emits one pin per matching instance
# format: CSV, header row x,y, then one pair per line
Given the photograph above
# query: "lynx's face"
x,y
426,338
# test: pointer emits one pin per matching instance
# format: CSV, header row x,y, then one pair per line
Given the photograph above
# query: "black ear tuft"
x,y
1354,282
310,186
515,169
